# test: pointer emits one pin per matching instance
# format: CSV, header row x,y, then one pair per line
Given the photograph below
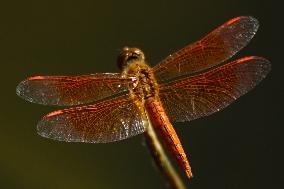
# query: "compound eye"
x,y
121,63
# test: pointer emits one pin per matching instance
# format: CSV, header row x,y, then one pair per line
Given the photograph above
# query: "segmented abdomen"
x,y
162,124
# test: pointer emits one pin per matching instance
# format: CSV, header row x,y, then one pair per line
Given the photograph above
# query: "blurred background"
x,y
238,147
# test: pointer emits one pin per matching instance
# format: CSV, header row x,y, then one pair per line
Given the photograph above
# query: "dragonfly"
x,y
193,82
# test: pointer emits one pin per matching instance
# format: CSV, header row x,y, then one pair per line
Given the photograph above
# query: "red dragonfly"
x,y
189,84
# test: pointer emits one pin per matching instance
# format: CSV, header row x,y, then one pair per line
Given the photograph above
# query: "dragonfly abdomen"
x,y
162,124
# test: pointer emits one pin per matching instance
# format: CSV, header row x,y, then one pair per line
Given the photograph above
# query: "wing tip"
x,y
30,91
260,59
19,89
41,129
248,22
22,90
248,18
263,63
47,129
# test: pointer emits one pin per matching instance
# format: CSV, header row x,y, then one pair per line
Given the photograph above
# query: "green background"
x,y
234,148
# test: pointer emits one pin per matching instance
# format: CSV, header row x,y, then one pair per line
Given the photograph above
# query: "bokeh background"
x,y
238,147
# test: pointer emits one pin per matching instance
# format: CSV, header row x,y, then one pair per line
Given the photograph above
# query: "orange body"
x,y
162,124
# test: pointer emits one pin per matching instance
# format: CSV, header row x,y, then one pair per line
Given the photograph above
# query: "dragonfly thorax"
x,y
132,62
146,85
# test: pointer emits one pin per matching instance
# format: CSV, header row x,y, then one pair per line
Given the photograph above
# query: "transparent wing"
x,y
72,90
201,95
106,121
213,49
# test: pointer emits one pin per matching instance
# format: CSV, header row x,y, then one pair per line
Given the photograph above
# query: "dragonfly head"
x,y
129,55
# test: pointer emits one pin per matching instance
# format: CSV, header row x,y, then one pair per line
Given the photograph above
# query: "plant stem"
x,y
161,159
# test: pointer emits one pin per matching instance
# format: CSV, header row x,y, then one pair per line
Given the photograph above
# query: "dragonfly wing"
x,y
196,96
213,49
72,90
106,121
